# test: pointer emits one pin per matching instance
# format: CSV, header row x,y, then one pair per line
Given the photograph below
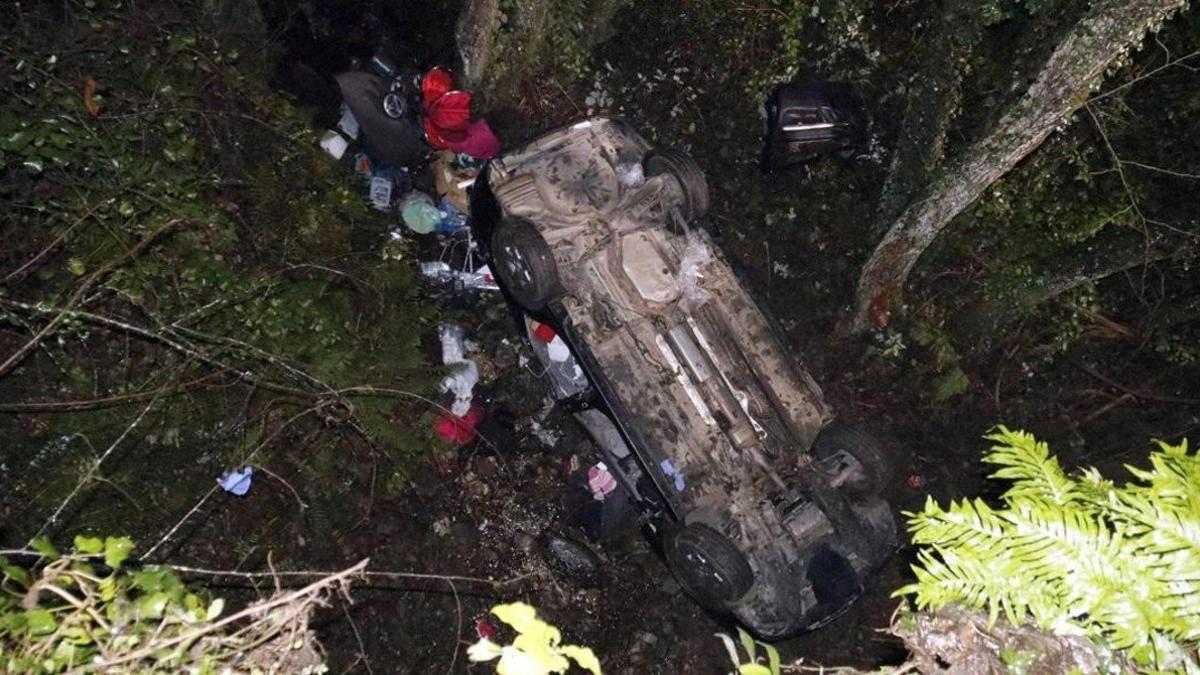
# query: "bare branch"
x,y
1159,169
252,612
213,490
91,280
22,271
106,401
87,477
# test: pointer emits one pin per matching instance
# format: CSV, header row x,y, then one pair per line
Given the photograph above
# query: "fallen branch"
x,y
149,335
91,280
90,474
252,612
496,585
1136,393
23,271
106,401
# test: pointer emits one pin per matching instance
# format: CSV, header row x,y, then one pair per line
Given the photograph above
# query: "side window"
x,y
830,115
802,116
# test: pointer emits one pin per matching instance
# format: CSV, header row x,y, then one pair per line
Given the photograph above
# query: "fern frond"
x,y
1028,463
967,525
1077,556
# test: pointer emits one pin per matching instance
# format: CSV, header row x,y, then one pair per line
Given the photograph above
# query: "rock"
x,y
441,526
571,556
959,641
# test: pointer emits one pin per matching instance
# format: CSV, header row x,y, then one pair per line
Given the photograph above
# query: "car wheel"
x,y
524,264
874,470
774,608
708,565
687,173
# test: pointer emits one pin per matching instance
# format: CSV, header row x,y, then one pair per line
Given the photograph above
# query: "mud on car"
x,y
763,507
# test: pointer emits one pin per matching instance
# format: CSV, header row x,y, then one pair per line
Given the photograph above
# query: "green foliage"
x,y
78,611
1076,555
752,664
949,379
121,119
543,38
537,648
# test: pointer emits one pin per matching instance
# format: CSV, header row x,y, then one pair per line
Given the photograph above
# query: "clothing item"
x,y
447,119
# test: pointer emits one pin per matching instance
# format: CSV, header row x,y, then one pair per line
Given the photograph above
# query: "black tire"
x,y
708,565
524,264
877,470
687,173
773,609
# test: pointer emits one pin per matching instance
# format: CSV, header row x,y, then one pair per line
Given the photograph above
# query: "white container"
x,y
334,143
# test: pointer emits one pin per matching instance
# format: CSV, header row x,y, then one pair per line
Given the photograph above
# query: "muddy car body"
x,y
702,414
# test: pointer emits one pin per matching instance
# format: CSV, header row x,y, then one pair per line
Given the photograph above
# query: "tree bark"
x,y
1077,65
475,34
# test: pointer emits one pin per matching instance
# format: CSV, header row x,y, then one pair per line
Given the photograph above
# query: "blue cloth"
x,y
453,221
236,482
669,469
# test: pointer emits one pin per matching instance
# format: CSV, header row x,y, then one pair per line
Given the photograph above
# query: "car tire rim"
x,y
393,106
701,576
519,274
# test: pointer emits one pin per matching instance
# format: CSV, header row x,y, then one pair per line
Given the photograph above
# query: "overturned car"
x,y
762,507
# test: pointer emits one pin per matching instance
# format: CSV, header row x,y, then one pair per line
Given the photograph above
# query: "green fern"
x,y
1076,556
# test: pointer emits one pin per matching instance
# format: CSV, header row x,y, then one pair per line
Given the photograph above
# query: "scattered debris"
x,y
600,481
347,124
459,430
381,192
479,141
461,383
450,219
671,472
418,212
236,482
334,143
453,174
447,119
545,436
440,272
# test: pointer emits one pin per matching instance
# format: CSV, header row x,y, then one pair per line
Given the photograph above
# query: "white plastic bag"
x,y
461,382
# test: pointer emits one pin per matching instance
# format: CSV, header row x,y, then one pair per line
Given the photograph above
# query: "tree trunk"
x,y
475,34
1077,65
